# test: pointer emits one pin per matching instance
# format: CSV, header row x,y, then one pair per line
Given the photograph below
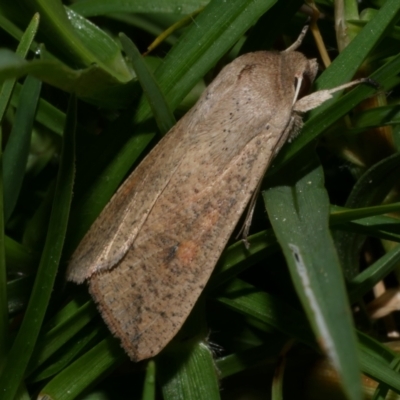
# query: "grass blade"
x,y
24,343
162,113
16,152
299,212
89,368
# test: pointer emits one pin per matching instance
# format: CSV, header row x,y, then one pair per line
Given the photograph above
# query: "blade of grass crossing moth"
x,y
162,113
98,362
25,340
16,152
149,388
213,33
299,213
22,50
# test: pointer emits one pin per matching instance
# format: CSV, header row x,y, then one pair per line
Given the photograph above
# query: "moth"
x,y
149,254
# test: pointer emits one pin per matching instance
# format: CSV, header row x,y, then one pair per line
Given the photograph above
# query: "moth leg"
x,y
244,230
290,131
315,99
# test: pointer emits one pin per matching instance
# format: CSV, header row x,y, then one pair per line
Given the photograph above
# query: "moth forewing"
x,y
113,232
150,253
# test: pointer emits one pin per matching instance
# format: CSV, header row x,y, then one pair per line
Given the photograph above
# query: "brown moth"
x,y
149,254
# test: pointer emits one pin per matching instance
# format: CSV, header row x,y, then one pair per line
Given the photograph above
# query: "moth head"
x,y
305,78
301,71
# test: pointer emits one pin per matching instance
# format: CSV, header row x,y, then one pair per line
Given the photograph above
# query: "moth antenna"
x,y
299,81
298,41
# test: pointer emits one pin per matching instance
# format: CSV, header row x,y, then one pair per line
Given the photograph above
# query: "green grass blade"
x,y
299,214
49,342
100,48
69,34
250,301
375,117
277,380
188,374
24,343
350,59
81,343
91,367
93,84
241,361
370,228
247,300
5,96
89,8
149,389
236,258
214,32
370,189
366,280
377,361
20,259
341,214
185,368
18,292
382,390
162,113
48,115
22,50
16,152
